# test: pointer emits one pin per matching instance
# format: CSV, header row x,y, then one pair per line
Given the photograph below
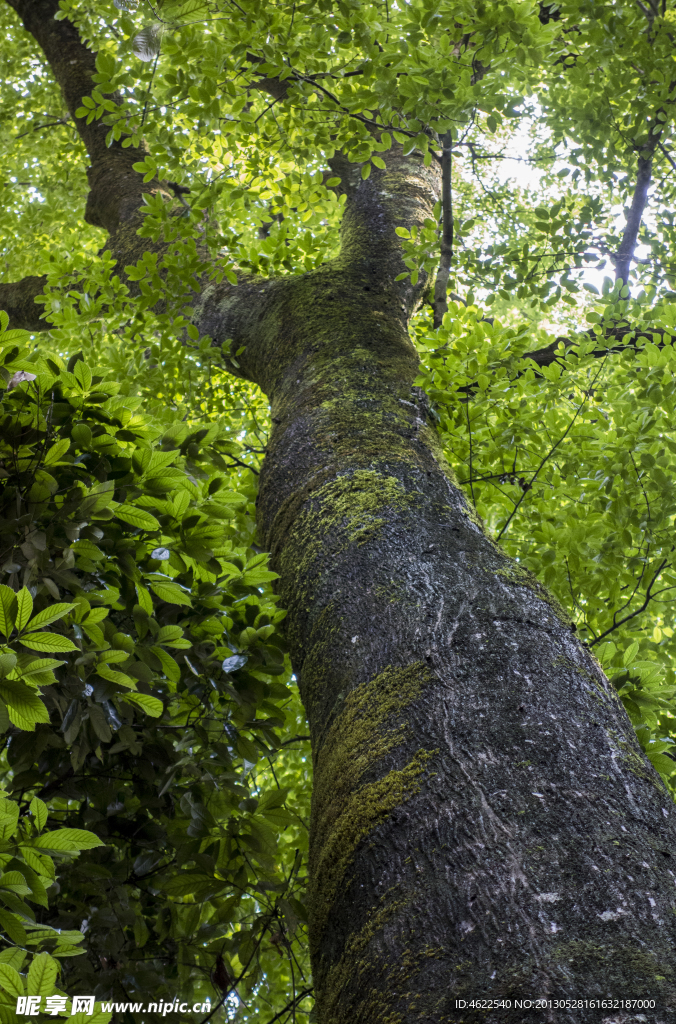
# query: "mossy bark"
x,y
484,824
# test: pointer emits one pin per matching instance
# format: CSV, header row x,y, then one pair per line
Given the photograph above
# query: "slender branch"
x,y
111,201
648,597
637,585
150,89
549,454
668,155
291,1005
38,127
650,15
441,283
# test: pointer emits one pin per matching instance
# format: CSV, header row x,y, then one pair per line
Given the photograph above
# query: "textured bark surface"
x,y
484,823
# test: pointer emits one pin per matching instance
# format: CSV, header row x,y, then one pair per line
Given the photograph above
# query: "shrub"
x,y
142,679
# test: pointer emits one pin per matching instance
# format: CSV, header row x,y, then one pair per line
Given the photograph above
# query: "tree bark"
x,y
484,823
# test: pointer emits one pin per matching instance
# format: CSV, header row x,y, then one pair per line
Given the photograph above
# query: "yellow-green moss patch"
x,y
367,726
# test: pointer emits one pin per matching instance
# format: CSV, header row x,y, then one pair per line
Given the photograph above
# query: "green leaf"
x,y
14,957
31,668
98,1017
144,598
190,884
663,764
56,452
169,633
24,607
10,980
9,817
14,928
14,881
8,662
273,798
48,615
42,975
255,577
113,676
49,643
606,652
170,668
171,593
39,862
137,517
82,372
39,811
151,705
67,839
24,707
7,609
630,653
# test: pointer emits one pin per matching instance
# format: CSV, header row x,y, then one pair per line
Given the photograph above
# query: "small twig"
x,y
37,128
150,87
297,999
549,454
648,597
242,464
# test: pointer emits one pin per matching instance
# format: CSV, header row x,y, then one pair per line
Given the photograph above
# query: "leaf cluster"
x,y
143,684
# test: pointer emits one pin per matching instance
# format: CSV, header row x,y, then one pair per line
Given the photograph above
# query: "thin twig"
x,y
299,998
549,454
632,615
150,87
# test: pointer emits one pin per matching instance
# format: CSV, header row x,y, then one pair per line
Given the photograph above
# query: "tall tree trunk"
x,y
484,823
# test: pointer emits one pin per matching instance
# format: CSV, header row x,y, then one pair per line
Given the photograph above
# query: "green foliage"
x,y
143,683
28,873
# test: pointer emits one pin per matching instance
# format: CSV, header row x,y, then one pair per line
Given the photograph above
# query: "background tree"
x,y
269,191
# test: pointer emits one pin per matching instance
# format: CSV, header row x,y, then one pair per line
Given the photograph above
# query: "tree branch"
x,y
116,190
18,301
251,313
648,597
625,253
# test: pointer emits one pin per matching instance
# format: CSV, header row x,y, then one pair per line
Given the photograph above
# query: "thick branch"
x,y
259,315
370,259
625,254
115,189
402,195
18,301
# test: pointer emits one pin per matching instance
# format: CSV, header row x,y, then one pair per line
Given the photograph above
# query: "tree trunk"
x,y
484,824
